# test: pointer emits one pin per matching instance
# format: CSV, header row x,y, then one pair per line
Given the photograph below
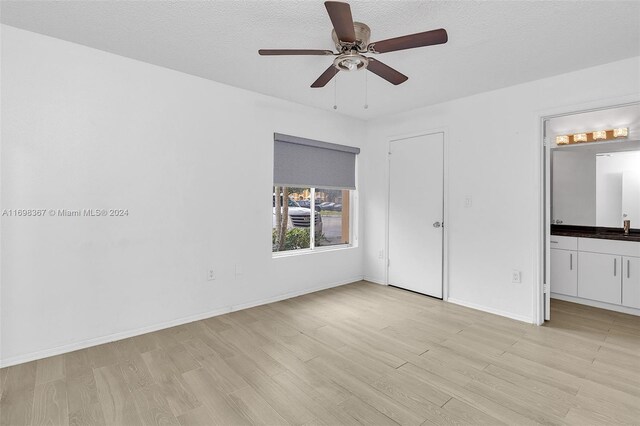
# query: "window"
x,y
313,186
333,206
291,223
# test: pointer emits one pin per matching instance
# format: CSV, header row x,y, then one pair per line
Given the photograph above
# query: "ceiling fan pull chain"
x,y
335,92
366,92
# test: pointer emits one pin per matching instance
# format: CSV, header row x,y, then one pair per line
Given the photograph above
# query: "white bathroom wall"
x,y
573,188
493,145
617,185
189,158
631,196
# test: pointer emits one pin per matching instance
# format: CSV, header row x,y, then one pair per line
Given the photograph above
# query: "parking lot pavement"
x,y
332,229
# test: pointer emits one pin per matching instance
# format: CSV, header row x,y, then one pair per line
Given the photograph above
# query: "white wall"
x,y
190,159
573,188
86,129
493,145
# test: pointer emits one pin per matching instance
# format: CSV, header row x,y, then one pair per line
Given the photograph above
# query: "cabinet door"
x,y
600,277
564,272
631,282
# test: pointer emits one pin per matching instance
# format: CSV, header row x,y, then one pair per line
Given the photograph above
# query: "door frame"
x,y
445,201
542,151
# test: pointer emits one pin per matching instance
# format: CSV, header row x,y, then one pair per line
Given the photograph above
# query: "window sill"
x,y
302,252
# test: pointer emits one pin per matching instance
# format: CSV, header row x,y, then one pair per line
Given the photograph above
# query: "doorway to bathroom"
x,y
591,170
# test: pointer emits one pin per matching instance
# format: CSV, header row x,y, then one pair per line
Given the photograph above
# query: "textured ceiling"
x,y
492,44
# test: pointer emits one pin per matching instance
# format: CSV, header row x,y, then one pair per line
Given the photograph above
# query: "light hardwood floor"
x,y
356,354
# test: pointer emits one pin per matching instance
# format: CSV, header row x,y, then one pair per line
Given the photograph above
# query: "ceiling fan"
x,y
352,40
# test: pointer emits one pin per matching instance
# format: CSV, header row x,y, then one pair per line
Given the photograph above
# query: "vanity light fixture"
x,y
594,136
621,132
600,135
580,137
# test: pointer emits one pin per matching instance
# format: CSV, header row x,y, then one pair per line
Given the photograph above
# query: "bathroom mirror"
x,y
592,188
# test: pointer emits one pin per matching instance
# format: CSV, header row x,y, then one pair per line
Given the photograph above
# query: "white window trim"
x,y
321,249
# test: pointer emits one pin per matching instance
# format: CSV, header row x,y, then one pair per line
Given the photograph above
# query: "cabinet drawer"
x,y
564,243
621,248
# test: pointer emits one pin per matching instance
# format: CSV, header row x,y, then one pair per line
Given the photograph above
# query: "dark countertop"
x,y
595,232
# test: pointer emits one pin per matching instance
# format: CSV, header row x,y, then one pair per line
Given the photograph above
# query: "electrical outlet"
x,y
468,202
238,269
516,277
211,275
381,254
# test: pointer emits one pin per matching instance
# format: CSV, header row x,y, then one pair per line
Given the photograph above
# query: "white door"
x,y
600,277
564,272
416,213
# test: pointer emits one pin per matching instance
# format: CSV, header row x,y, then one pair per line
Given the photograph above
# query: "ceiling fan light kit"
x,y
352,41
350,61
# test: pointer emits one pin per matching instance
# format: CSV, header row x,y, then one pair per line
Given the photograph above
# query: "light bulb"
x,y
580,137
351,64
562,140
599,135
622,132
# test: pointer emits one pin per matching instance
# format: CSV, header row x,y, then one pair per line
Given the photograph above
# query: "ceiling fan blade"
x,y
427,38
325,77
340,14
278,52
386,72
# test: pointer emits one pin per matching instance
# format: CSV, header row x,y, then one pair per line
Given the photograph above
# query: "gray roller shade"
x,y
304,162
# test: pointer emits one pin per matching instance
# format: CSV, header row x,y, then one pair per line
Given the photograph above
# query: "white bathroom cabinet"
x,y
596,269
631,282
600,277
564,271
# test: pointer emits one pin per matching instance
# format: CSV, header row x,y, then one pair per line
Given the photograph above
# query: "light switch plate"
x,y
516,277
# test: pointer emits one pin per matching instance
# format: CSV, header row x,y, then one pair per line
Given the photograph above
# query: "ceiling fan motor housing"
x,y
349,58
363,35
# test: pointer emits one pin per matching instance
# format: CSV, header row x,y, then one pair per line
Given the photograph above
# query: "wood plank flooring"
x,y
356,354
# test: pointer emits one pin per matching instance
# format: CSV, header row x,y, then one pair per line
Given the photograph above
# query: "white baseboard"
x,y
20,359
293,294
511,315
375,280
32,356
596,304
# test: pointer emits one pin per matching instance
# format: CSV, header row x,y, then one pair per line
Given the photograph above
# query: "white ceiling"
x,y
492,44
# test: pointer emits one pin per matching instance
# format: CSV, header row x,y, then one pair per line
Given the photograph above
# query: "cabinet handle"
x,y
628,268
615,267
571,261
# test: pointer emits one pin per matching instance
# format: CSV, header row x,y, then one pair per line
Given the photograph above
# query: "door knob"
x,y
436,224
